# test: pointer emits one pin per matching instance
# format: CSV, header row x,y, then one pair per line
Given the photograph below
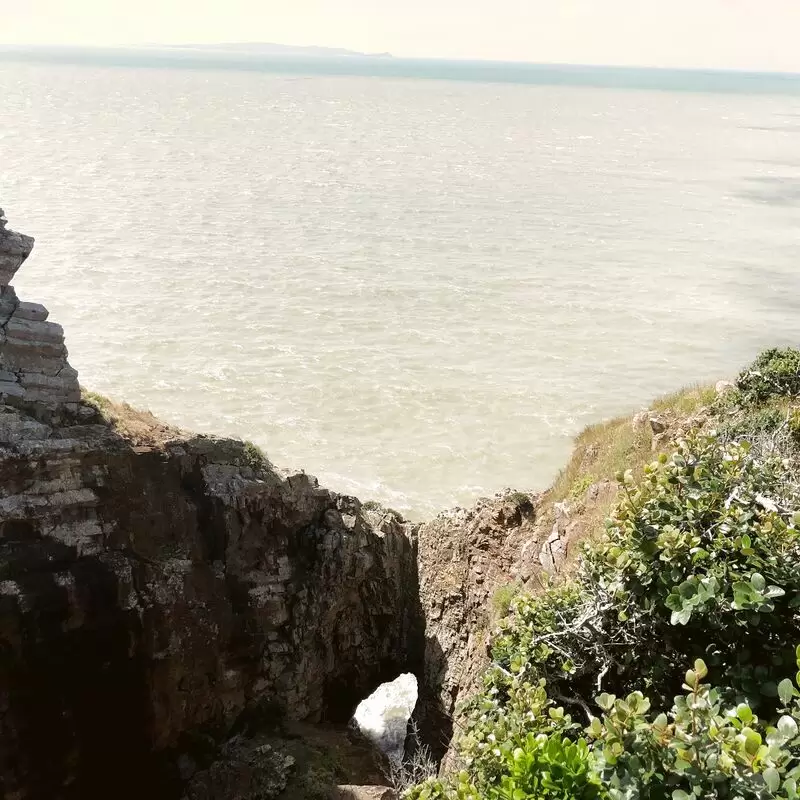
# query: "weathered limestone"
x,y
464,556
34,372
155,601
14,249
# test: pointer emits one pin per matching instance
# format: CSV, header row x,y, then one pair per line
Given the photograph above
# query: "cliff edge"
x,y
170,604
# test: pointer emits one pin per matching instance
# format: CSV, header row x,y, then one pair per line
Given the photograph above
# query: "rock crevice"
x,y
165,596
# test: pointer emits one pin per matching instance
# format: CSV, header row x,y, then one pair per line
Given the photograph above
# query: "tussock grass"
x,y
686,401
140,427
606,448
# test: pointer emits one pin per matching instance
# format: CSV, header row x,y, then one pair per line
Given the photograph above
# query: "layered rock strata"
x,y
34,372
163,595
154,598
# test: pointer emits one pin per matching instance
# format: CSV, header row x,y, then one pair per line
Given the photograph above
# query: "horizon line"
x,y
348,54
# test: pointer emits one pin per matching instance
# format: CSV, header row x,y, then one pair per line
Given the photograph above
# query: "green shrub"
x,y
701,748
503,597
518,744
700,560
775,372
749,422
700,564
704,554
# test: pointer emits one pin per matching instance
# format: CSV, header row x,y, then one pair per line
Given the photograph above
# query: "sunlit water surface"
x,y
417,290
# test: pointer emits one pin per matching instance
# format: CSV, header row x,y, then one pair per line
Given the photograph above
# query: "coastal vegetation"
x,y
666,664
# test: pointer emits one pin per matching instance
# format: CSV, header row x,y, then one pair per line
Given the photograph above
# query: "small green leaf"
x,y
786,691
757,581
752,741
787,727
700,668
744,713
772,778
605,701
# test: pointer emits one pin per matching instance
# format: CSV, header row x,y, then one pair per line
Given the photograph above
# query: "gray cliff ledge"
x,y
34,372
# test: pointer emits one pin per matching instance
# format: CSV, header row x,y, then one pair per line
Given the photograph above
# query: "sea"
x,y
416,280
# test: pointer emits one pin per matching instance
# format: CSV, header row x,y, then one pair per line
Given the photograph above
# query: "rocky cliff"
x,y
150,594
161,593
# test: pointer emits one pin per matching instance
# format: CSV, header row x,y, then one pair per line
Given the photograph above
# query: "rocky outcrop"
x,y
14,249
150,596
161,593
465,555
34,372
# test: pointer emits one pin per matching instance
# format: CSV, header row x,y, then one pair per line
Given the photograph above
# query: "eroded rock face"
x,y
162,595
34,372
154,597
464,556
14,249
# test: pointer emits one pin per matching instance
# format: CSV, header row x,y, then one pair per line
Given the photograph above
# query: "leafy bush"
x,y
748,423
700,749
700,560
775,372
700,564
705,554
517,748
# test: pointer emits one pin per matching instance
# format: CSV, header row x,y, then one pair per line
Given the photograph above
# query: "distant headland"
x,y
273,49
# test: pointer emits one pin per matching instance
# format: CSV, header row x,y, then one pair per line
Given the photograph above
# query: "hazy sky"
x,y
758,34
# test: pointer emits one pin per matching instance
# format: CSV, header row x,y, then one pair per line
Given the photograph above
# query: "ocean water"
x,y
416,289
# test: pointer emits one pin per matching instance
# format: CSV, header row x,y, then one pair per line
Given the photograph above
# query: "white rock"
x,y
383,717
722,387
